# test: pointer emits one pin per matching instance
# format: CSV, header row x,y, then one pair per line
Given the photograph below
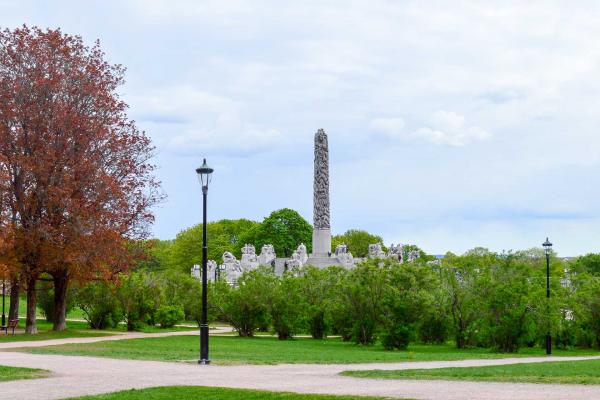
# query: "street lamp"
x,y
547,249
204,176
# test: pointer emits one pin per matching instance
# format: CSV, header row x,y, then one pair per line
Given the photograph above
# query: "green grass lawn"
x,y
575,372
75,329
75,312
13,373
209,393
268,350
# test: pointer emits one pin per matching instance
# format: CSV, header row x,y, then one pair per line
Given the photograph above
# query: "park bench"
x,y
12,324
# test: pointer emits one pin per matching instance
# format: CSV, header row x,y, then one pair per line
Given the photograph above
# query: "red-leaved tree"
x,y
76,182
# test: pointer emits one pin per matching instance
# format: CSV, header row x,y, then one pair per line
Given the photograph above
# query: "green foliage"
x,y
139,295
587,310
45,300
589,263
284,229
287,306
224,235
357,240
167,316
99,304
318,287
246,308
396,337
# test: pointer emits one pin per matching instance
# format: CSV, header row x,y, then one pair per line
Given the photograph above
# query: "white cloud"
x,y
390,127
186,120
229,77
449,128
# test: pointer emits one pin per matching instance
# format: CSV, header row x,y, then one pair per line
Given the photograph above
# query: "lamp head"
x,y
204,174
547,246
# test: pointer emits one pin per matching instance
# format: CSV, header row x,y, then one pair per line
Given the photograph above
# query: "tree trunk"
x,y
13,311
61,283
30,322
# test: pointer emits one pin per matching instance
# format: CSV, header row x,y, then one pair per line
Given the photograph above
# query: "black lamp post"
x,y
547,249
204,176
3,303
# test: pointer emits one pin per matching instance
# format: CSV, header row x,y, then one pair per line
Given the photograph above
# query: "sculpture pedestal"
x,y
321,243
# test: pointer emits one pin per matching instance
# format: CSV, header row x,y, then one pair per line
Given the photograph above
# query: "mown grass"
x,y
14,373
210,393
269,350
585,372
45,332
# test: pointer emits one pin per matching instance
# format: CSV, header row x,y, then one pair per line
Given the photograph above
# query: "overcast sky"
x,y
451,124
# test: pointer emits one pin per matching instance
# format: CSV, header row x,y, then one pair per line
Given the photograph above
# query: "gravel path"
x,y
76,376
114,336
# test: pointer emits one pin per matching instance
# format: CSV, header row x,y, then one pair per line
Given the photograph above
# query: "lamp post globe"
x,y
547,250
204,173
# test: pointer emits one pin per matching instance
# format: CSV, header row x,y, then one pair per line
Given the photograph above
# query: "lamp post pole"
x,y
547,248
3,303
204,325
204,175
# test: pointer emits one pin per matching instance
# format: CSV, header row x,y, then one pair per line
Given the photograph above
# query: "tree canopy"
x,y
357,240
76,180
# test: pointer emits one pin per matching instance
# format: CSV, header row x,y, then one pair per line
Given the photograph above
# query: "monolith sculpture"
x,y
321,239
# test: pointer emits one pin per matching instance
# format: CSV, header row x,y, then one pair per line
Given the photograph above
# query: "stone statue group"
x,y
232,268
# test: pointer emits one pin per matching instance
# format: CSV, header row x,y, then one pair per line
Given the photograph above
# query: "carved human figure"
x,y
302,252
397,252
413,255
375,251
267,254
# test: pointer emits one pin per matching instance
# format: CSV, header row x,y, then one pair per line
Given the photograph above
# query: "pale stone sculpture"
x,y
196,271
267,254
212,269
321,226
296,260
413,255
397,252
375,251
232,268
343,256
302,253
249,259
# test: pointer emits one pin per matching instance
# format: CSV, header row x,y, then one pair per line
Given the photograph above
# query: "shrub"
x,y
168,316
139,295
99,305
396,337
286,306
246,307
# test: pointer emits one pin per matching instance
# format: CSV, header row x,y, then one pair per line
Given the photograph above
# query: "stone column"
x,y
321,228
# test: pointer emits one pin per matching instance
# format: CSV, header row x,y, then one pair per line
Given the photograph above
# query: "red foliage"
x,y
75,177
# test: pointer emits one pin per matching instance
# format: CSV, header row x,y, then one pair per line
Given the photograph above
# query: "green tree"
x,y
318,288
357,240
460,276
287,307
588,263
406,299
139,295
223,235
100,306
284,229
360,305
245,308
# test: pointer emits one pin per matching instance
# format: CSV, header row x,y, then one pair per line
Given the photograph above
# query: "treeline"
x,y
285,229
479,299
